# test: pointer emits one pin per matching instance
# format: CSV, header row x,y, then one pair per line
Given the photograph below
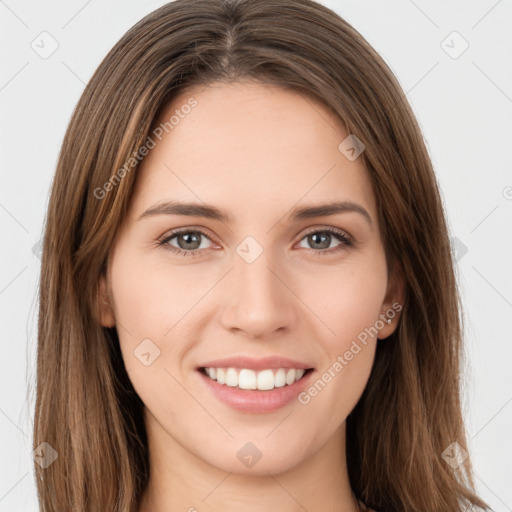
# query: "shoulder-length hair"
x,y
86,407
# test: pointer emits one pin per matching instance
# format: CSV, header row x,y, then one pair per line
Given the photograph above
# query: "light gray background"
x,y
464,106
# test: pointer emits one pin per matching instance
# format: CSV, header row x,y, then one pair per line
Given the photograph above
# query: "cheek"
x,y
348,298
349,304
151,297
149,303
158,310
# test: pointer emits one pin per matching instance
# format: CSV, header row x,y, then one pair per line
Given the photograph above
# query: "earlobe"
x,y
105,312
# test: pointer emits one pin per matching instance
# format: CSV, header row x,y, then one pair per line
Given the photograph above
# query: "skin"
x,y
256,152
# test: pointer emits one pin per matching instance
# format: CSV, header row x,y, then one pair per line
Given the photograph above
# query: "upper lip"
x,y
263,363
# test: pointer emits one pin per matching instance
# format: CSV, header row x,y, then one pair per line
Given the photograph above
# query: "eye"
x,y
322,238
188,240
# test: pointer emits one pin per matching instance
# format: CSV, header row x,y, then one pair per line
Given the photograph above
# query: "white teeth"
x,y
280,378
290,376
231,377
221,376
249,379
266,380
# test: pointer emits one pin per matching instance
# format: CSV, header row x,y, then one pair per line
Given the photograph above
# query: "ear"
x,y
393,303
106,314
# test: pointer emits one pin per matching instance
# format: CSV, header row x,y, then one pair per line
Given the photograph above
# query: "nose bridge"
x,y
260,302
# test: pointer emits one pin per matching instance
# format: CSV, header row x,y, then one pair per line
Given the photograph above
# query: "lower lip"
x,y
253,400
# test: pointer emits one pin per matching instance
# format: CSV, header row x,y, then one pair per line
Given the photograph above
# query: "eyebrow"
x,y
211,212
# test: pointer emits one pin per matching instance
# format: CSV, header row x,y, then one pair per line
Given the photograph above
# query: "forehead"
x,y
248,146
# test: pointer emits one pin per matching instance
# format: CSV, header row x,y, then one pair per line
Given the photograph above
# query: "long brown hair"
x,y
86,408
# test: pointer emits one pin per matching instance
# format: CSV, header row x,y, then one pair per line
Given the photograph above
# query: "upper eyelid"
x,y
178,231
314,229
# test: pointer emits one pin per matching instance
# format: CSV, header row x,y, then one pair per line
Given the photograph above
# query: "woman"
x,y
252,369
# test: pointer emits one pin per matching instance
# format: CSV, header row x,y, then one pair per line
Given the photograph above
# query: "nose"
x,y
259,299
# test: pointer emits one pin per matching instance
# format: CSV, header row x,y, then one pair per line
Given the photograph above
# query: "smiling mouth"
x,y
263,380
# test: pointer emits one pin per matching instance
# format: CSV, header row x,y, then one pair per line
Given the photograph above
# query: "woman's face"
x,y
264,286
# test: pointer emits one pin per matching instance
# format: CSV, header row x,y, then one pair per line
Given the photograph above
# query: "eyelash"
x,y
345,240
